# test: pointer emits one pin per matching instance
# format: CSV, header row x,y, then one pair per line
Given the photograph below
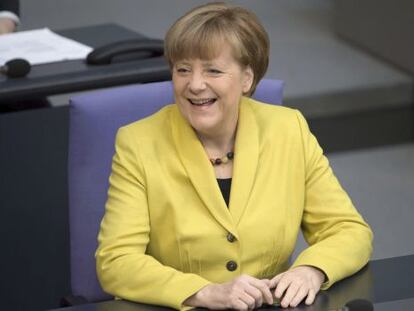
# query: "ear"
x,y
248,76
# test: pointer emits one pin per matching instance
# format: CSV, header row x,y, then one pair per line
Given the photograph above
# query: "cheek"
x,y
178,84
233,94
177,88
180,98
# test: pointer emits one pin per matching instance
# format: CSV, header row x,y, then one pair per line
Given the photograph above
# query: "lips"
x,y
202,101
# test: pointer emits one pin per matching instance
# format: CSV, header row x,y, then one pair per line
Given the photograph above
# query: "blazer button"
x,y
231,265
231,238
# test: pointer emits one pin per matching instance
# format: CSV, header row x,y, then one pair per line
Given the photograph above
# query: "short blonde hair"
x,y
201,32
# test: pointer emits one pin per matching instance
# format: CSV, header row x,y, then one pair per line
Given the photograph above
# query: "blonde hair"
x,y
201,32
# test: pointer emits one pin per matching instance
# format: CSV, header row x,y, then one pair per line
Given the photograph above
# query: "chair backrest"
x,y
94,120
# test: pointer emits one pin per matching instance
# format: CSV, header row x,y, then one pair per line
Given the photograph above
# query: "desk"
x,y
388,283
75,75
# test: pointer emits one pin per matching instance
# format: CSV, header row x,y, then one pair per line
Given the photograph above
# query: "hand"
x,y
296,284
6,25
242,293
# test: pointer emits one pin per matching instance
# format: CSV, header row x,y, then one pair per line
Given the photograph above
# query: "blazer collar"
x,y
246,159
201,172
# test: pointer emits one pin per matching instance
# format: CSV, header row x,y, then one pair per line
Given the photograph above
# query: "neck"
x,y
220,142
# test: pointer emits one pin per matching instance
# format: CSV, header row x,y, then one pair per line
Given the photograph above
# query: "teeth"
x,y
201,101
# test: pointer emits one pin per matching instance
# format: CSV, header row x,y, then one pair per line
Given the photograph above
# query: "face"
x,y
208,92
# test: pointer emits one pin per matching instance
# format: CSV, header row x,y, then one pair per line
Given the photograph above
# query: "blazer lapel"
x,y
246,156
199,169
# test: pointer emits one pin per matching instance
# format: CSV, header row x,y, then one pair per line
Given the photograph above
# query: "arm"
x,y
7,24
123,267
340,240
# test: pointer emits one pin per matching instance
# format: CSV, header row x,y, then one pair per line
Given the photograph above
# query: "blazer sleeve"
x,y
340,241
123,267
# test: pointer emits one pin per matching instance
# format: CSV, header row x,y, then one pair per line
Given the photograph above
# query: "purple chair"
x,y
94,120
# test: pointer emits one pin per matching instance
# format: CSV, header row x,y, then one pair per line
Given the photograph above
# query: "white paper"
x,y
40,46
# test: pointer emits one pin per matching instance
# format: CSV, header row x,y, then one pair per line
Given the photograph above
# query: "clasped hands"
x,y
247,293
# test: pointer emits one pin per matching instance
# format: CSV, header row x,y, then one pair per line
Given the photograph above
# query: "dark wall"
x,y
34,261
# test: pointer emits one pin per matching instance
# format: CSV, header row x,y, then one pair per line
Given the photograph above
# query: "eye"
x,y
214,71
182,70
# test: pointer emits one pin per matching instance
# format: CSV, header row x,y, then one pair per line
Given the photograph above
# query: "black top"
x,y
225,186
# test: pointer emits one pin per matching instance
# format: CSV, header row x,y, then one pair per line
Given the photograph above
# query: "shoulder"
x,y
275,117
151,127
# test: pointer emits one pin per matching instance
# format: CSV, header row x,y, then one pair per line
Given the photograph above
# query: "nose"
x,y
197,82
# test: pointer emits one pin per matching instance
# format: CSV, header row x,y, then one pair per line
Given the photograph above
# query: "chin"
x,y
203,126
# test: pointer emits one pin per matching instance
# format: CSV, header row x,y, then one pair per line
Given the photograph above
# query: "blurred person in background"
x,y
9,19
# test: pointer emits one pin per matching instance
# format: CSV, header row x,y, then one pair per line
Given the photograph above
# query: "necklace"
x,y
223,160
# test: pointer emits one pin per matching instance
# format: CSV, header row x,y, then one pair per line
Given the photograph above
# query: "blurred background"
x,y
347,65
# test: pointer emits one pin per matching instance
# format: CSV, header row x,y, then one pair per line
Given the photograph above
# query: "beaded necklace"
x,y
223,160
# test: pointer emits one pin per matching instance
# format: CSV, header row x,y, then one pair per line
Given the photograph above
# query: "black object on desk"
x,y
75,75
387,283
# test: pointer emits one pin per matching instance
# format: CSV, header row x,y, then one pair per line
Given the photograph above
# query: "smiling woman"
x,y
207,196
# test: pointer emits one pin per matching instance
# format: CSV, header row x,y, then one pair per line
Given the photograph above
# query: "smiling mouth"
x,y
202,102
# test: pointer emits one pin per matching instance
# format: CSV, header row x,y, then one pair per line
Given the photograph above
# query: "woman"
x,y
175,234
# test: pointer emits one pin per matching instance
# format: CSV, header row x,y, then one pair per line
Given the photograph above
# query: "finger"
x,y
311,297
267,296
289,294
263,287
302,292
275,280
248,300
256,294
281,287
239,305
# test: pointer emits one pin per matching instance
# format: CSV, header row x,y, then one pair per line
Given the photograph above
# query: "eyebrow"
x,y
181,62
204,63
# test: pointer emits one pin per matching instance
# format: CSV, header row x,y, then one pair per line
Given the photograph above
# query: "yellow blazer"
x,y
164,233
